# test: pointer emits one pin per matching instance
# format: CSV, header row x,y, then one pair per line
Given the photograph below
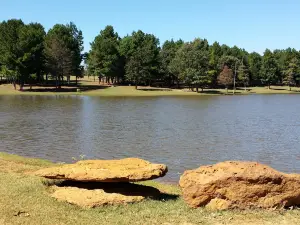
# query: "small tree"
x,y
226,77
291,73
58,59
243,75
269,70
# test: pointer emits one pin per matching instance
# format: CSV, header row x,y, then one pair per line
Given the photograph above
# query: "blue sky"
x,y
253,25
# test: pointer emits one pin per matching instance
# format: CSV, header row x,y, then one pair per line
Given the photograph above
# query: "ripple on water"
x,y
183,133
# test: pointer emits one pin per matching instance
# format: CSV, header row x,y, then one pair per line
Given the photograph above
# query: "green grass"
x,y
25,200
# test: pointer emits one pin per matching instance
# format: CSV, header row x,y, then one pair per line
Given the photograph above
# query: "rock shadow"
x,y
124,188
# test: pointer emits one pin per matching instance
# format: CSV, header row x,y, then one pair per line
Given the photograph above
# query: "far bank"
x,y
130,91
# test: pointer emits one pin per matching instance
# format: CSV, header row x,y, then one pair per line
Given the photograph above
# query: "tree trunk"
x,y
136,85
197,89
68,78
177,83
46,77
269,86
58,82
94,78
76,81
21,86
38,76
15,86
290,88
226,90
61,81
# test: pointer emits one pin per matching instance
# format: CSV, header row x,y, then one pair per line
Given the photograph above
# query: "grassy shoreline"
x,y
24,200
92,88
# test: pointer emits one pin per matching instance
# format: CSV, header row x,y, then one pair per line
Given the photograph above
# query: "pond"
x,y
181,132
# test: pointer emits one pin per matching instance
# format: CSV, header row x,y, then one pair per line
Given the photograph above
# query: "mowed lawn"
x,y
25,200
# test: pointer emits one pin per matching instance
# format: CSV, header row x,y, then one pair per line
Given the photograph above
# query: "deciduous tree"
x,y
226,77
269,70
191,62
59,59
166,55
255,63
71,39
292,73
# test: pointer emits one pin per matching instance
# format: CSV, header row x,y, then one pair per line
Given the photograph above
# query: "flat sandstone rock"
x,y
90,195
240,185
123,170
92,198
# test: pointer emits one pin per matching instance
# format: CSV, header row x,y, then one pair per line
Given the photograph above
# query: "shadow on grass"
x,y
154,89
216,92
243,89
68,88
127,189
276,89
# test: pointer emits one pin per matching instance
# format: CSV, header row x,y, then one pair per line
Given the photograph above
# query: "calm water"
x,y
182,132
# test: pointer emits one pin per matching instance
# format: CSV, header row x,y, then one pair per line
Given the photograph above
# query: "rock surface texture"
x,y
123,170
93,195
239,185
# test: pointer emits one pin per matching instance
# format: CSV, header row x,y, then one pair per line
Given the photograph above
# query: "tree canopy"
x,y
104,58
21,50
140,51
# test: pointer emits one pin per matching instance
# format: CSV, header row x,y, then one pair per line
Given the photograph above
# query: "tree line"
x,y
28,54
